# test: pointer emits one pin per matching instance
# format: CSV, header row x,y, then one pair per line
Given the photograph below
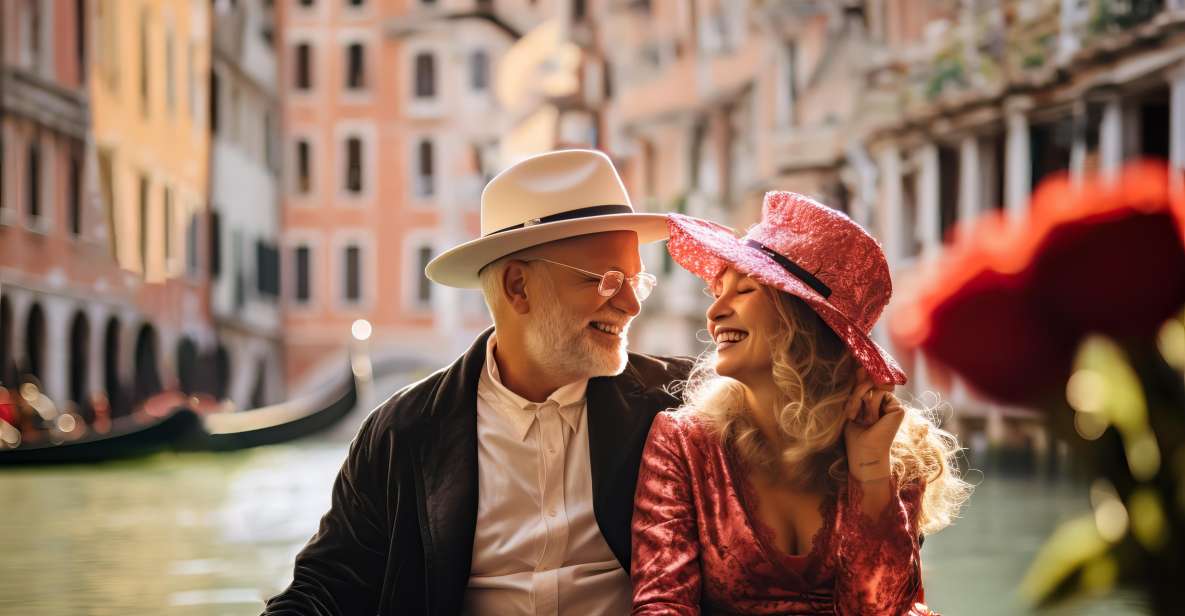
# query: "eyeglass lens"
x,y
611,283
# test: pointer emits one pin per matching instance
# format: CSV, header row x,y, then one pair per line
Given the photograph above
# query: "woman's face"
x,y
742,320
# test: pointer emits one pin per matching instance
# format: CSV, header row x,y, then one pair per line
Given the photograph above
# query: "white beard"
x,y
557,341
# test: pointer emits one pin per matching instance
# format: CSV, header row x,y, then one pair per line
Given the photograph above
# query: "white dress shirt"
x,y
538,549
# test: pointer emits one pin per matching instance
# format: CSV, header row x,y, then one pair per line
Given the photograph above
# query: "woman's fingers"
x,y
875,405
854,407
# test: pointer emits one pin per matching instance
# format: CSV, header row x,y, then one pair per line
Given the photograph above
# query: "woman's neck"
x,y
761,401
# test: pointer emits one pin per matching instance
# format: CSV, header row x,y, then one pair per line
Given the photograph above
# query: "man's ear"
x,y
514,286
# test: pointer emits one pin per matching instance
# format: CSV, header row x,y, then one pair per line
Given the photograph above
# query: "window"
x,y
355,67
239,268
267,269
354,165
479,70
31,38
144,85
191,83
425,182
300,266
108,48
788,97
170,82
304,162
233,112
80,38
304,66
424,288
215,244
33,180
107,193
425,75
3,156
269,141
167,225
144,212
215,101
353,290
192,255
75,197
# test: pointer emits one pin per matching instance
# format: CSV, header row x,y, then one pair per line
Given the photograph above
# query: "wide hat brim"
x,y
705,249
459,266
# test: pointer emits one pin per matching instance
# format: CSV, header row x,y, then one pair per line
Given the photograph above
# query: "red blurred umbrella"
x,y
1013,299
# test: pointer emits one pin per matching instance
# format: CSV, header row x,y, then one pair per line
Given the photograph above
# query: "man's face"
x,y
572,328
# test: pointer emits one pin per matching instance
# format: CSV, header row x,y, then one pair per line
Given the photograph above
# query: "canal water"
x,y
215,534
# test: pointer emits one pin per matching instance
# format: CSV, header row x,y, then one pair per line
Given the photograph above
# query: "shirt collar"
x,y
521,412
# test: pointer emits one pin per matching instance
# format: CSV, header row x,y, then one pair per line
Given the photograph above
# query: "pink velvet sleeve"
x,y
666,551
877,566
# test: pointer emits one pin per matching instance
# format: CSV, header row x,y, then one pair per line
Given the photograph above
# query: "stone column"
x,y
929,217
56,371
889,214
997,429
1111,138
1018,171
1078,147
21,301
97,314
969,178
1177,125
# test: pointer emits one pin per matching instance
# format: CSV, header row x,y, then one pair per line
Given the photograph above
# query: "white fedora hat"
x,y
542,199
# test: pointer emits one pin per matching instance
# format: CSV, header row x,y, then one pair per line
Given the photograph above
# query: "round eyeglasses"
x,y
612,281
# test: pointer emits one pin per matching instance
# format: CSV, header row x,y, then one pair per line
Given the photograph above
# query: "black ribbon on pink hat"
x,y
795,269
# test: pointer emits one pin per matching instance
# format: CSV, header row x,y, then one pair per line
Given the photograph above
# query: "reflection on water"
x,y
173,534
215,534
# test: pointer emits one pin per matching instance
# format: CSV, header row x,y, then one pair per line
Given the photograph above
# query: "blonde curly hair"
x,y
815,373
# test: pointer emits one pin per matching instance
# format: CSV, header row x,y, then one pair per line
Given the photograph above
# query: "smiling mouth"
x,y
728,337
607,328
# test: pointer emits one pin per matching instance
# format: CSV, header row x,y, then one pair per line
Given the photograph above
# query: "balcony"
x,y
28,95
807,147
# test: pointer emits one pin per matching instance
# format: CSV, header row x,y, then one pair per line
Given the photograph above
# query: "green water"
x,y
215,534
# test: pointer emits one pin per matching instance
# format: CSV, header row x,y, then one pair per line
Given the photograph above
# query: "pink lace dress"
x,y
697,549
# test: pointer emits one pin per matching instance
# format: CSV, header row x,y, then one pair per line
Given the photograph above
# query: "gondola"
x,y
130,436
273,424
182,428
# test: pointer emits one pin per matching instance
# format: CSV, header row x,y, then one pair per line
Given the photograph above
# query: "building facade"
x,y
244,125
391,128
101,196
147,88
54,258
909,116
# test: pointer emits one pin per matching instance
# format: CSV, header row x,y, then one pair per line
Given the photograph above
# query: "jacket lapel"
x,y
619,418
448,479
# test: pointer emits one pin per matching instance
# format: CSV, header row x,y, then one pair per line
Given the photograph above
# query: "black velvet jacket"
x,y
398,537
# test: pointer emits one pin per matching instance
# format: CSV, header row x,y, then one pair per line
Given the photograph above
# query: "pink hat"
x,y
810,251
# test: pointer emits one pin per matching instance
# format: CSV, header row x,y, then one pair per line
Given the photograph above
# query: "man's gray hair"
x,y
491,283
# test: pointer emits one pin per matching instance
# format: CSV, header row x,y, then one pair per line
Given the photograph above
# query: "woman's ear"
x,y
514,286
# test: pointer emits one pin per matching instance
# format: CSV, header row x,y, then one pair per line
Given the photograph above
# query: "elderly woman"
x,y
792,481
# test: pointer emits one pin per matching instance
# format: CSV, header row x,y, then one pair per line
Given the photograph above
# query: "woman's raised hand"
x,y
874,415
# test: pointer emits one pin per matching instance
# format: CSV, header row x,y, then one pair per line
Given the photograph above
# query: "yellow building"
x,y
149,102
148,99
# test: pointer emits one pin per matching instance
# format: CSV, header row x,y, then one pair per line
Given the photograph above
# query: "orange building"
x,y
391,129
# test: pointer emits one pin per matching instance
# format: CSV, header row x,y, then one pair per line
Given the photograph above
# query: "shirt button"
x,y
551,450
551,512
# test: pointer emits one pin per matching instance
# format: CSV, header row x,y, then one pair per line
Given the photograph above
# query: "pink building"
x,y
390,128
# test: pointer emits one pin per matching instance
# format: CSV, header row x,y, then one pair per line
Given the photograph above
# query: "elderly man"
x,y
504,483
